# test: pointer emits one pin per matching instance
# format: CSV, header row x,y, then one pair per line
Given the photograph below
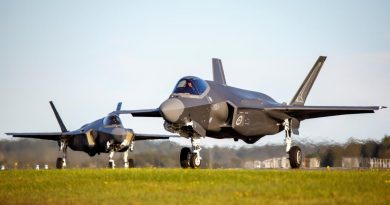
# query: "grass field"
x,y
177,186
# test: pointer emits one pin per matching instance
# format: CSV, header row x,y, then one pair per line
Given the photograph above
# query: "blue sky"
x,y
88,55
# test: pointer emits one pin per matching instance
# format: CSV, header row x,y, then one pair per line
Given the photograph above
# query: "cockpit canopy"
x,y
190,85
112,120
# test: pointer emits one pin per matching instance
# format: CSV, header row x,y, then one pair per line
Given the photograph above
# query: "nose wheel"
x,y
195,161
185,154
191,158
61,163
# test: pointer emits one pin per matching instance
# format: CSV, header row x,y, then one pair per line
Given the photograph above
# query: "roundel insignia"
x,y
239,120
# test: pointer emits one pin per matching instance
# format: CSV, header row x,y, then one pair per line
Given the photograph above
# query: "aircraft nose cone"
x,y
172,109
119,134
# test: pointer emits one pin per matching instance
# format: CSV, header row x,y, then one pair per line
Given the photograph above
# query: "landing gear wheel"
x,y
111,164
60,163
131,163
295,155
185,157
195,161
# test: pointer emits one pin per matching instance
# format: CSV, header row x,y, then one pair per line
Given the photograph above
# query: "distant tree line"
x,y
332,155
27,153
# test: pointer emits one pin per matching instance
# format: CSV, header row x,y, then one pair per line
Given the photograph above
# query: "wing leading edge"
x,y
140,113
55,136
309,112
138,136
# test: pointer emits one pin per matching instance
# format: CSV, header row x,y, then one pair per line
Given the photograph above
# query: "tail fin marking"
x,y
303,91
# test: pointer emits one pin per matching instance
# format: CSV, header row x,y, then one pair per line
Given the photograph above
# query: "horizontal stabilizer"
x,y
308,112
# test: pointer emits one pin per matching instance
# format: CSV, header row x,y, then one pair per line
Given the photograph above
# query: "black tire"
x,y
59,163
195,161
295,157
110,165
131,163
185,157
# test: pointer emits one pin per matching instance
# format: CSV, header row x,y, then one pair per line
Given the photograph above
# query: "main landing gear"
x,y
127,163
294,152
191,158
61,161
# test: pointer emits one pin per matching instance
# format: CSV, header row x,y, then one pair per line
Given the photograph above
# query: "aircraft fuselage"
x,y
96,138
224,112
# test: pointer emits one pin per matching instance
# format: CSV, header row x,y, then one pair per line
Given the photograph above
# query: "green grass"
x,y
177,186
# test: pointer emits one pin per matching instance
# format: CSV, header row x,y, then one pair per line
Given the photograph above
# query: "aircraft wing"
x,y
138,136
308,112
140,113
43,135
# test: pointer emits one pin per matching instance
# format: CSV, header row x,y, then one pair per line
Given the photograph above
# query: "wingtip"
x,y
382,107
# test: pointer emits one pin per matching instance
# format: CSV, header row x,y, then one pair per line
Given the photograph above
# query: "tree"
x,y
384,148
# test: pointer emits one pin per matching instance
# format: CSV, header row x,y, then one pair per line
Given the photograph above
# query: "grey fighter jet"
x,y
105,135
198,108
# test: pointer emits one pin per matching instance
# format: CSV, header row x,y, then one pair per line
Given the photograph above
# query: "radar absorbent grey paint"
x,y
198,108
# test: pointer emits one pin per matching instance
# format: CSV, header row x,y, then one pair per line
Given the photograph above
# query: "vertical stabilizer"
x,y
303,91
218,74
119,106
63,128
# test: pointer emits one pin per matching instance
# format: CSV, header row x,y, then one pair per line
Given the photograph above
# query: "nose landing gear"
x,y
190,158
127,163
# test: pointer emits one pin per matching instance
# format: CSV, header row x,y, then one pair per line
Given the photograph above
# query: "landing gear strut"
x,y
111,162
295,153
190,158
61,161
128,163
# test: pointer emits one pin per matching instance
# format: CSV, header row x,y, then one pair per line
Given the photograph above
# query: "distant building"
x,y
356,162
280,163
351,162
380,163
311,163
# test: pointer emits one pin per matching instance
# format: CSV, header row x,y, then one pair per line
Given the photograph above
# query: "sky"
x,y
88,55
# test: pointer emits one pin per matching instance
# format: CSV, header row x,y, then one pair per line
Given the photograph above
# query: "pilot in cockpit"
x,y
190,86
112,120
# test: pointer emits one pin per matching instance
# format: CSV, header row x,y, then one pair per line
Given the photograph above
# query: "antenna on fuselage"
x,y
218,74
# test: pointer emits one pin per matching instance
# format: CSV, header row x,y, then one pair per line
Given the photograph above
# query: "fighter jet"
x,y
105,135
198,108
